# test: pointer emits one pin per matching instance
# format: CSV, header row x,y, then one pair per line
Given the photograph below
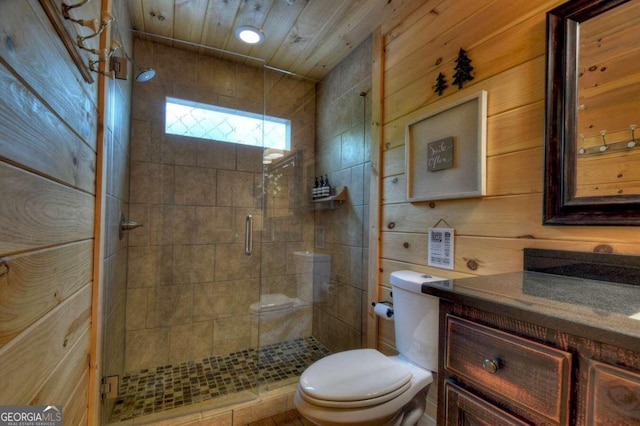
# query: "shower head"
x,y
142,74
145,74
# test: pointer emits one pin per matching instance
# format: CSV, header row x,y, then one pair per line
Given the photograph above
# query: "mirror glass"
x,y
608,161
592,147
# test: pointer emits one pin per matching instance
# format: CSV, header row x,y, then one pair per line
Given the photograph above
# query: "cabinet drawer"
x,y
613,395
529,374
464,408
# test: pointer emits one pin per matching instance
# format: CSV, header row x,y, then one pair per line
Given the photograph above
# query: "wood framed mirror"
x,y
592,102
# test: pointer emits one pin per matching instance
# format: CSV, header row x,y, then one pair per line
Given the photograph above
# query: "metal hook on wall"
x,y
106,19
632,142
604,146
67,7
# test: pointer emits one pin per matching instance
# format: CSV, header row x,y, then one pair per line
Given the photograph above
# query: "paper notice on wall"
x,y
440,253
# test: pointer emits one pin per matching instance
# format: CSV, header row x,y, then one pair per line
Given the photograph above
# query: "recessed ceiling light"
x,y
249,34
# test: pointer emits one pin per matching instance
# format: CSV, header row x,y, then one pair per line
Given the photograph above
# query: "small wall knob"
x,y
490,366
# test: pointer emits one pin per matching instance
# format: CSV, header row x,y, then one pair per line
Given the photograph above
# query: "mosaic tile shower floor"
x,y
171,386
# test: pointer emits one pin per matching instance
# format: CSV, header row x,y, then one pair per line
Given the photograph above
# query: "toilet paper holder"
x,y
389,312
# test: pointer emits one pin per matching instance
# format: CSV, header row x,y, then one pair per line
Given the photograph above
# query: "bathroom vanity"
x,y
555,344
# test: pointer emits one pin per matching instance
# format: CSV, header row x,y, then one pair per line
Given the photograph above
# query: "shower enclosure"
x,y
236,276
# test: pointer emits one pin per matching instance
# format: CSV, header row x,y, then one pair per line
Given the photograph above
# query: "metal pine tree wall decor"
x,y
441,84
463,69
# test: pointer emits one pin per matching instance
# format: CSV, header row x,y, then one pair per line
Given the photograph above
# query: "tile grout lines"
x,y
162,388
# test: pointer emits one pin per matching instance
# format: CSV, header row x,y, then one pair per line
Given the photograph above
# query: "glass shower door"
x,y
285,314
178,331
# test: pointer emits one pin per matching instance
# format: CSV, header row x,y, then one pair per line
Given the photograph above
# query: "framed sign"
x,y
445,151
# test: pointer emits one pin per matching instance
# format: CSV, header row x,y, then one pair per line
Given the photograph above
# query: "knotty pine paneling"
x,y
62,382
512,130
517,129
405,42
316,19
512,216
404,247
393,161
354,25
40,212
188,19
489,255
31,357
48,162
394,189
619,167
493,53
75,412
37,55
34,137
610,107
518,172
506,43
158,17
499,255
504,92
507,48
37,282
505,97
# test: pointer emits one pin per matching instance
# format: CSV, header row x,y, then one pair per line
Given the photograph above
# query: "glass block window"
x,y
198,120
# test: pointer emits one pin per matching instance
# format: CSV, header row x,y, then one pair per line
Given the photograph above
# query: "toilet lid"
x,y
356,378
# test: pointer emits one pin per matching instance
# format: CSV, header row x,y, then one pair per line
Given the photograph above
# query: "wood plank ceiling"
x,y
304,37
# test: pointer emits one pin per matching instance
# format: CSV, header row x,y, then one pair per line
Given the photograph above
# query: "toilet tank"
x,y
416,317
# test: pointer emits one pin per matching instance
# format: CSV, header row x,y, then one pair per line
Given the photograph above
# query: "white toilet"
x,y
365,387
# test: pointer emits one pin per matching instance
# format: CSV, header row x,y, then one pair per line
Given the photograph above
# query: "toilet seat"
x,y
271,302
354,379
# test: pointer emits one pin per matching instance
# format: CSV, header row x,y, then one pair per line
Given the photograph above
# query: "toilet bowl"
x,y
271,302
369,389
277,318
366,387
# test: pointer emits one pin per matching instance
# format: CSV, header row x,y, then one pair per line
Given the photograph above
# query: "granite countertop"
x,y
604,311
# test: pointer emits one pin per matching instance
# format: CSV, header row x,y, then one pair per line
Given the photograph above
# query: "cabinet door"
x,y
464,408
613,395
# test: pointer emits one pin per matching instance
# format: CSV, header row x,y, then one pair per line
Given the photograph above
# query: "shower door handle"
x,y
248,235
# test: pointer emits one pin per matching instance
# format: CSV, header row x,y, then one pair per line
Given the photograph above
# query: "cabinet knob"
x,y
490,366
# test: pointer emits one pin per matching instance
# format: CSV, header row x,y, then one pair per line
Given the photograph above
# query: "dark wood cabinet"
x,y
613,396
530,374
499,370
464,408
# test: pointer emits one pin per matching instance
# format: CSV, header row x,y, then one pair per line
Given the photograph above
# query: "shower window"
x,y
199,120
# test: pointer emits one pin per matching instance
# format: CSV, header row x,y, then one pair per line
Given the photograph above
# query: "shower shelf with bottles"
x,y
340,195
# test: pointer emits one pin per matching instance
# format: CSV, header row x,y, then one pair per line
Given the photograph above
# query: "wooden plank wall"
x,y
506,43
47,181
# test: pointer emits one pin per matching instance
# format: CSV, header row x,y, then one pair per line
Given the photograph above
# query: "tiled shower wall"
x,y
189,283
344,154
117,142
